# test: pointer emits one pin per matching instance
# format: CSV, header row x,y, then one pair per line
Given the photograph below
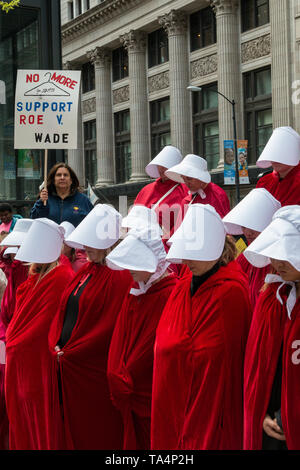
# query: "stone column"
x,y
135,43
175,23
229,71
76,156
101,59
296,60
281,63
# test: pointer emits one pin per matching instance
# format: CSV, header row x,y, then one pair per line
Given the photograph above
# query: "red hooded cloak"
x,y
90,419
271,328
130,361
256,277
286,190
33,421
215,196
197,398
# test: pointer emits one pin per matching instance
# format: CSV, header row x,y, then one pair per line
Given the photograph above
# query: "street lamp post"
x,y
232,102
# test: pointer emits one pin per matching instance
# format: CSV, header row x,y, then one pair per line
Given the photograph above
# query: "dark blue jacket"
x,y
73,208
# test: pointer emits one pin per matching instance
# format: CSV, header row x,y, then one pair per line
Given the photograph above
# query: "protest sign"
x,y
46,107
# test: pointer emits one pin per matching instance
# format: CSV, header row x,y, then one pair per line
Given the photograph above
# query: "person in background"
x,y
7,219
163,195
80,336
62,198
193,172
282,153
272,379
34,423
130,359
197,396
250,217
74,257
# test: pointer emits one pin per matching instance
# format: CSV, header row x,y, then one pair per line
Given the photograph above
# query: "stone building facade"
x,y
137,58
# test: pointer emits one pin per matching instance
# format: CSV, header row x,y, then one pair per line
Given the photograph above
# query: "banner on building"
x,y
28,164
229,162
242,146
46,109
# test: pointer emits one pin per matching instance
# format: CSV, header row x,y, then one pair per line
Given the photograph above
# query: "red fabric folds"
x,y
256,277
130,361
269,329
34,423
215,196
286,190
90,419
197,398
170,207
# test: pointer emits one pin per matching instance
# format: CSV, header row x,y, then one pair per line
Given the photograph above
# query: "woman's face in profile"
x,y
285,269
62,179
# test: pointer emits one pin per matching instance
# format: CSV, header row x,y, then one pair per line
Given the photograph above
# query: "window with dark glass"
x,y
258,111
202,29
88,77
70,10
205,124
160,125
254,13
158,47
122,146
119,63
90,151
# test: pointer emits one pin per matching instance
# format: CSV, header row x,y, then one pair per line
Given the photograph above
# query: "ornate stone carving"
x,y
134,41
100,56
95,17
158,82
204,66
221,7
174,22
120,95
256,48
89,106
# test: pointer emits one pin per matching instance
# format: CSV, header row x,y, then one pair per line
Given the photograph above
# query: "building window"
x,y
202,29
254,13
78,7
88,77
160,125
90,151
70,10
205,125
122,146
258,110
119,63
158,47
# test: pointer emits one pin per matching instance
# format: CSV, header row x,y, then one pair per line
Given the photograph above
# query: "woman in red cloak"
x,y
33,422
197,400
250,217
163,195
272,379
282,153
130,360
81,333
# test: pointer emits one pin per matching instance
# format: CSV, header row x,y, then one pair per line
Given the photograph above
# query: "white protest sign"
x,y
46,107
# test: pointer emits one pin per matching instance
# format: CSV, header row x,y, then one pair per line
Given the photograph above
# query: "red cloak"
x,y
286,190
90,419
269,329
130,361
170,207
33,422
215,196
197,392
256,277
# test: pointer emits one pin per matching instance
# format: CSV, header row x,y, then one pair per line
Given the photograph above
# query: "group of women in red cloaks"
x,y
126,354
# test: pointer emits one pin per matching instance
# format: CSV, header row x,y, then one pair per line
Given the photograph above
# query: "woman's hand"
x,y
44,195
272,429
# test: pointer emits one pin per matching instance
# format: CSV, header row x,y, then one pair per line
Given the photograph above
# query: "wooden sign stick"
x,y
45,171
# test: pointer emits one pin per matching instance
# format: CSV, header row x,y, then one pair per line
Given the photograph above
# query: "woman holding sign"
x,y
64,201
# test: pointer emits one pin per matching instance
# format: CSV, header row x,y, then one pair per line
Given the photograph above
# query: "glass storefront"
x,y
25,43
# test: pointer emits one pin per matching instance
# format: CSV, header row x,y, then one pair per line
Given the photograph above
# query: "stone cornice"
x,y
95,17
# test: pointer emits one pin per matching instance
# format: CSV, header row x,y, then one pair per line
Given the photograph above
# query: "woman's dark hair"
x,y
51,176
4,206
